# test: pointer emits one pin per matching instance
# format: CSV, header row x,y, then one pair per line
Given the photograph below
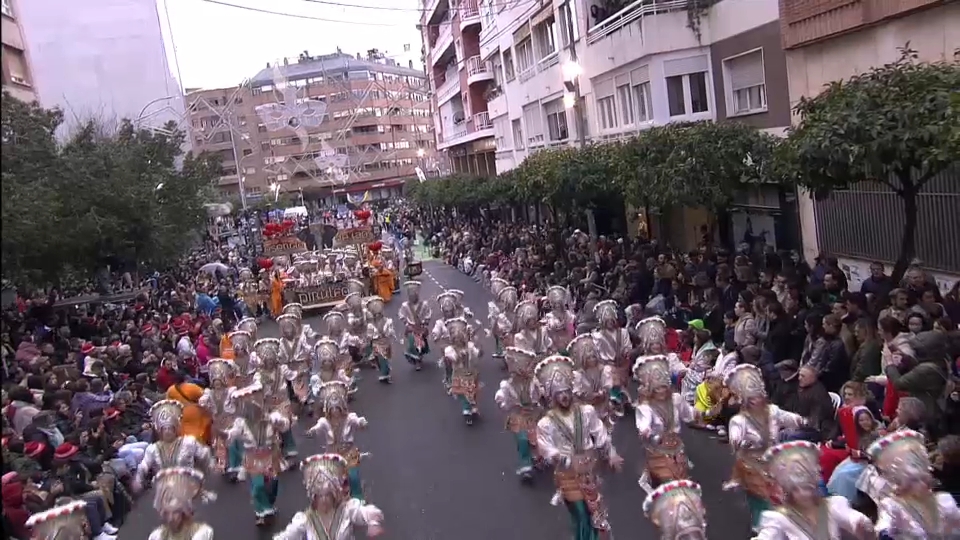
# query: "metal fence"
x,y
867,222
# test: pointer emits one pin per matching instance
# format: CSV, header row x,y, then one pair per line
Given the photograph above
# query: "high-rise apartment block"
x,y
328,127
17,75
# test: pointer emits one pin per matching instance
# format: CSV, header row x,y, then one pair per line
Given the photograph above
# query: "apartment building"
x,y
17,76
326,127
831,40
103,60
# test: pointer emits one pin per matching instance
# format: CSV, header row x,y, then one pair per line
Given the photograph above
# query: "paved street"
x,y
437,479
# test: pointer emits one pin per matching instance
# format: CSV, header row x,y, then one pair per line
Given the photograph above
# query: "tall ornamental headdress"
x,y
64,522
248,325
457,328
606,310
290,325
677,509
335,322
652,331
794,465
555,374
448,304
527,311
176,489
293,308
457,295
355,286
746,381
558,297
497,285
333,394
412,286
652,372
268,350
901,457
328,353
583,350
166,414
374,305
520,362
325,474
221,369
507,297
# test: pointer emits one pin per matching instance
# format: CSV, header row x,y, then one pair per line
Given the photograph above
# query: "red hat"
x,y
164,328
65,451
116,344
87,347
146,328
110,413
33,449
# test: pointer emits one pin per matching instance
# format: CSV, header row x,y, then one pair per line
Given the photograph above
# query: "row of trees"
x,y
121,197
898,124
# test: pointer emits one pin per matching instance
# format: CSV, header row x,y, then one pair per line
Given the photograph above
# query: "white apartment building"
x,y
102,59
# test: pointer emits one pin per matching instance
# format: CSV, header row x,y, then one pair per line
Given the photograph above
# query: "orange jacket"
x,y
226,348
196,420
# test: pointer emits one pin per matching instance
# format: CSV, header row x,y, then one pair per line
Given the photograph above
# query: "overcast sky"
x,y
218,45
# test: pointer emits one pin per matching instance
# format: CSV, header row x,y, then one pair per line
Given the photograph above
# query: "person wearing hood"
x,y
926,378
21,410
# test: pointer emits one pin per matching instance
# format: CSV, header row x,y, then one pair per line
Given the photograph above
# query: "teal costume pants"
x,y
497,346
465,405
523,449
757,507
580,520
264,493
413,354
234,456
383,364
288,442
356,487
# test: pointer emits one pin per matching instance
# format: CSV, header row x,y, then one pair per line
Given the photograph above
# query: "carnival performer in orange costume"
x,y
383,276
276,294
196,421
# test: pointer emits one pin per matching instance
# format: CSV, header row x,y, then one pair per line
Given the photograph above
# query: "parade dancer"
x,y
676,508
559,320
242,343
652,334
752,432
531,334
65,521
449,310
272,376
248,325
493,313
356,317
572,438
464,356
461,310
614,346
659,416
175,492
516,397
337,428
592,380
170,449
415,315
912,510
259,429
333,514
380,336
295,355
328,365
502,318
805,513
336,323
216,401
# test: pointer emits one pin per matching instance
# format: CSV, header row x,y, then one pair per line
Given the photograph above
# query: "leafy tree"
x,y
895,124
123,198
696,164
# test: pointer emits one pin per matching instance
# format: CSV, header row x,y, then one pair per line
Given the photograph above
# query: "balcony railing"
x,y
476,67
482,121
469,13
448,89
632,13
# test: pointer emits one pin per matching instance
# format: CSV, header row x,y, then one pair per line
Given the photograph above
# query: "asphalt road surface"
x,y
437,479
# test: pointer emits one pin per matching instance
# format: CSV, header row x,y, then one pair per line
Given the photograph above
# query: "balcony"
x,y
469,14
444,41
479,126
449,89
478,70
633,13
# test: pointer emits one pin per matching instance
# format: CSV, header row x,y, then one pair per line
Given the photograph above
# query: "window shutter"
x,y
604,89
683,66
745,71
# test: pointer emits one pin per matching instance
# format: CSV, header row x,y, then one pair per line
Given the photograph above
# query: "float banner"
x,y
320,295
286,245
354,236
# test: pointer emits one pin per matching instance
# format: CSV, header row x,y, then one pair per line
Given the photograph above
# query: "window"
x,y
626,104
7,8
517,134
643,101
533,123
508,65
250,170
525,59
746,85
16,66
675,98
568,21
247,152
556,115
501,128
546,36
687,85
607,111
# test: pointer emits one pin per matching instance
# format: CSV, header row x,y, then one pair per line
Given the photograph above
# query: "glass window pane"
x,y
675,96
698,92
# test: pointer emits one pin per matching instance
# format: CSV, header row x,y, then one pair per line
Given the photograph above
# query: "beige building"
x,y
328,127
829,40
17,77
